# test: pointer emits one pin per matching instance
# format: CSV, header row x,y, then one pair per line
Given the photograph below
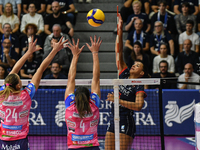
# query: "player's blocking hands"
x,y
32,46
59,45
95,45
75,47
110,97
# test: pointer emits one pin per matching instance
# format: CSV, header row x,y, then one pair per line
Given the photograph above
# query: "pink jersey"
x,y
14,113
82,132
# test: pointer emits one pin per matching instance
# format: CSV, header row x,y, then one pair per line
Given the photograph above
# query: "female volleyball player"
x,y
82,108
15,103
131,98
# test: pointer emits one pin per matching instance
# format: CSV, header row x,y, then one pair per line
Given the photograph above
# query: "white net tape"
x,y
87,82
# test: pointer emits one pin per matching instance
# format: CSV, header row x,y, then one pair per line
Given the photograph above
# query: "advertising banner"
x,y
178,111
47,116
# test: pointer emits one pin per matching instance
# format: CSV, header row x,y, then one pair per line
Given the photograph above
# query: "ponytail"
x,y
10,87
82,95
82,105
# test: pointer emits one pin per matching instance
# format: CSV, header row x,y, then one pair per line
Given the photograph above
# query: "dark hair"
x,y
133,56
32,25
12,80
82,97
186,4
163,61
56,62
145,69
166,45
5,69
190,22
33,4
162,2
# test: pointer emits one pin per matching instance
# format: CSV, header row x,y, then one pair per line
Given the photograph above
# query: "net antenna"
x,y
116,93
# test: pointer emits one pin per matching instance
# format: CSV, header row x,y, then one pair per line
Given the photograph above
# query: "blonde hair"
x,y
12,14
162,33
10,86
137,2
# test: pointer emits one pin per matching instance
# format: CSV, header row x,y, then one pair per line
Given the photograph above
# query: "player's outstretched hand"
x,y
59,45
120,24
95,45
32,46
110,97
75,48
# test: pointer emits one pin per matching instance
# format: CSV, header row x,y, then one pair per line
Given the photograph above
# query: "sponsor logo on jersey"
x,y
82,137
30,85
2,114
71,124
18,103
10,147
72,97
94,123
71,129
13,132
93,96
12,127
23,113
77,115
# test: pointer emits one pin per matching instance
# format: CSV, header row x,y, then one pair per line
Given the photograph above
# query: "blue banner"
x,y
47,116
178,110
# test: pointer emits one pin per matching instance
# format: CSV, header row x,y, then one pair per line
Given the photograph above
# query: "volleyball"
x,y
95,17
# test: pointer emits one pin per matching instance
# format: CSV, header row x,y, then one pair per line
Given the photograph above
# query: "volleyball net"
x,y
47,116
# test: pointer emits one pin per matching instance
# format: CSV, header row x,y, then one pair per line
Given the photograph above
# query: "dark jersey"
x,y
127,93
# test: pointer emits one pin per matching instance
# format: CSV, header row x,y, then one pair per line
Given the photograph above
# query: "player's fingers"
x,y
73,42
98,39
70,45
91,39
88,45
82,48
95,38
77,43
61,39
39,48
100,42
32,38
35,42
64,42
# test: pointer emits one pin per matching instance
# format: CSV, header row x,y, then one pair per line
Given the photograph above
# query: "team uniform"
x,y
127,93
82,133
14,113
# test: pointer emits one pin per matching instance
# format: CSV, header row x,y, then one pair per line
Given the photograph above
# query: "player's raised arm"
x,y
72,70
119,42
31,49
94,48
38,75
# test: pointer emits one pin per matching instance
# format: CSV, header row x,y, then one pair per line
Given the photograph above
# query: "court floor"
x,y
140,143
